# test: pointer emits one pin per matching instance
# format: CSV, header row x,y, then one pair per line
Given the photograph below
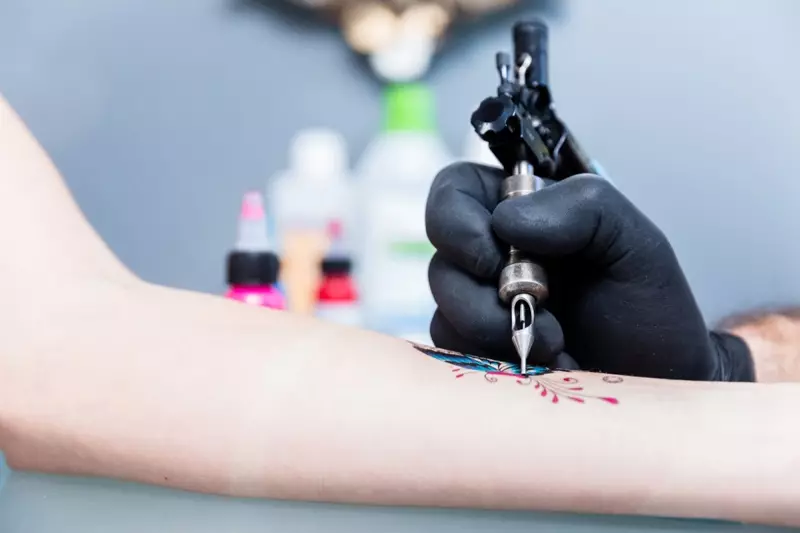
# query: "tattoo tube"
x,y
337,296
253,266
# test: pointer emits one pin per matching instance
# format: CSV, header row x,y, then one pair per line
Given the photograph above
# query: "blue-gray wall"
x,y
161,113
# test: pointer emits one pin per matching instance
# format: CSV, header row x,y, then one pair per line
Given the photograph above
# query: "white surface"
x,y
48,504
4,472
394,177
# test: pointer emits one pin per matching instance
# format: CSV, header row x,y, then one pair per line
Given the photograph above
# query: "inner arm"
x,y
196,392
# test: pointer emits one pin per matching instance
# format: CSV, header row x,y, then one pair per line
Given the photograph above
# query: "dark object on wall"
x,y
399,38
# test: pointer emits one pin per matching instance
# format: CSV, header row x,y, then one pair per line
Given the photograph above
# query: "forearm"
x,y
773,338
196,392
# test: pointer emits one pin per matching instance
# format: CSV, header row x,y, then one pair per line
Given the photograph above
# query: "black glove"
x,y
619,302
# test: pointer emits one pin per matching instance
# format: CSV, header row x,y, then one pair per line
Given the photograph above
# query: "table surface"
x,y
35,503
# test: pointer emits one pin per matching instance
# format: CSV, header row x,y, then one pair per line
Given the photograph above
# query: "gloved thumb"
x,y
582,216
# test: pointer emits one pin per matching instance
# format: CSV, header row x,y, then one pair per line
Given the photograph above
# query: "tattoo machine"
x,y
531,143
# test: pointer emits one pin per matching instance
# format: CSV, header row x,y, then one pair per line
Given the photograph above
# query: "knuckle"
x,y
435,329
440,196
434,268
484,265
449,175
594,190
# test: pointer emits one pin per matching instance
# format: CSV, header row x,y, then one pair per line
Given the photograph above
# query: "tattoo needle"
x,y
522,317
511,123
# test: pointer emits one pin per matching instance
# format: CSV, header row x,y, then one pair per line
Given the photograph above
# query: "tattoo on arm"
x,y
547,384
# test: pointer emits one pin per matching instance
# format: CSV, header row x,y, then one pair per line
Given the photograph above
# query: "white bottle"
x,y
316,188
395,175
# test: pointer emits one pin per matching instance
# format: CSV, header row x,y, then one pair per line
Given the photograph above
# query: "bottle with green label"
x,y
394,176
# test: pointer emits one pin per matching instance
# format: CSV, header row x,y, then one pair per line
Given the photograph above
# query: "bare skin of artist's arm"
x,y
119,378
774,341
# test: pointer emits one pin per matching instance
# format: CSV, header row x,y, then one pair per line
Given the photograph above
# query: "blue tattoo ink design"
x,y
541,380
479,364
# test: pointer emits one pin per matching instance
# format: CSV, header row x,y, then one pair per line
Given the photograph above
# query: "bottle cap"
x,y
318,153
408,107
252,229
337,260
252,262
254,269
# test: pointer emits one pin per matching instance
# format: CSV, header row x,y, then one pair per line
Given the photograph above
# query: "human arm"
x,y
191,391
120,378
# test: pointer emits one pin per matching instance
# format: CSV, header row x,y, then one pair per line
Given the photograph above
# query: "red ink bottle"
x,y
337,295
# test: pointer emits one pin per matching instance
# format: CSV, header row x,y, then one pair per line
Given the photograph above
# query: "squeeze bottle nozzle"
x,y
253,235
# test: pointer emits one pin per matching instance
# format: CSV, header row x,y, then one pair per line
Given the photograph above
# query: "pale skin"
x,y
120,378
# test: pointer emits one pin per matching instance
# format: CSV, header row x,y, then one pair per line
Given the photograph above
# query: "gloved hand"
x,y
618,303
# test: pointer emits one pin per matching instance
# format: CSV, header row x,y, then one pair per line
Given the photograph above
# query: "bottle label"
x,y
411,249
396,256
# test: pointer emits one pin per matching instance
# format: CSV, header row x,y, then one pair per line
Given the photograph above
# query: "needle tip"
x,y
522,319
523,342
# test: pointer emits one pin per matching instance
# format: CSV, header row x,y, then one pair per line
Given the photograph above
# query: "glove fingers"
x,y
444,335
583,215
458,217
472,310
471,305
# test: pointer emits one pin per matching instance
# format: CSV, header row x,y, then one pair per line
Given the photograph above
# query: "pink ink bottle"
x,y
253,266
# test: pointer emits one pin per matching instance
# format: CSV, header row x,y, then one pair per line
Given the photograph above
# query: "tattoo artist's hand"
x,y
618,303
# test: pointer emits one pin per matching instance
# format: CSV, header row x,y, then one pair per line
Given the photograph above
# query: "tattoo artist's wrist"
x,y
734,360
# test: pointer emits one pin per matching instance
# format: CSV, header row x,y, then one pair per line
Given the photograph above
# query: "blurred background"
x,y
161,115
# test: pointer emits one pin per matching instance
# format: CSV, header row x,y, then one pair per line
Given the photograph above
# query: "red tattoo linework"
x,y
551,386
